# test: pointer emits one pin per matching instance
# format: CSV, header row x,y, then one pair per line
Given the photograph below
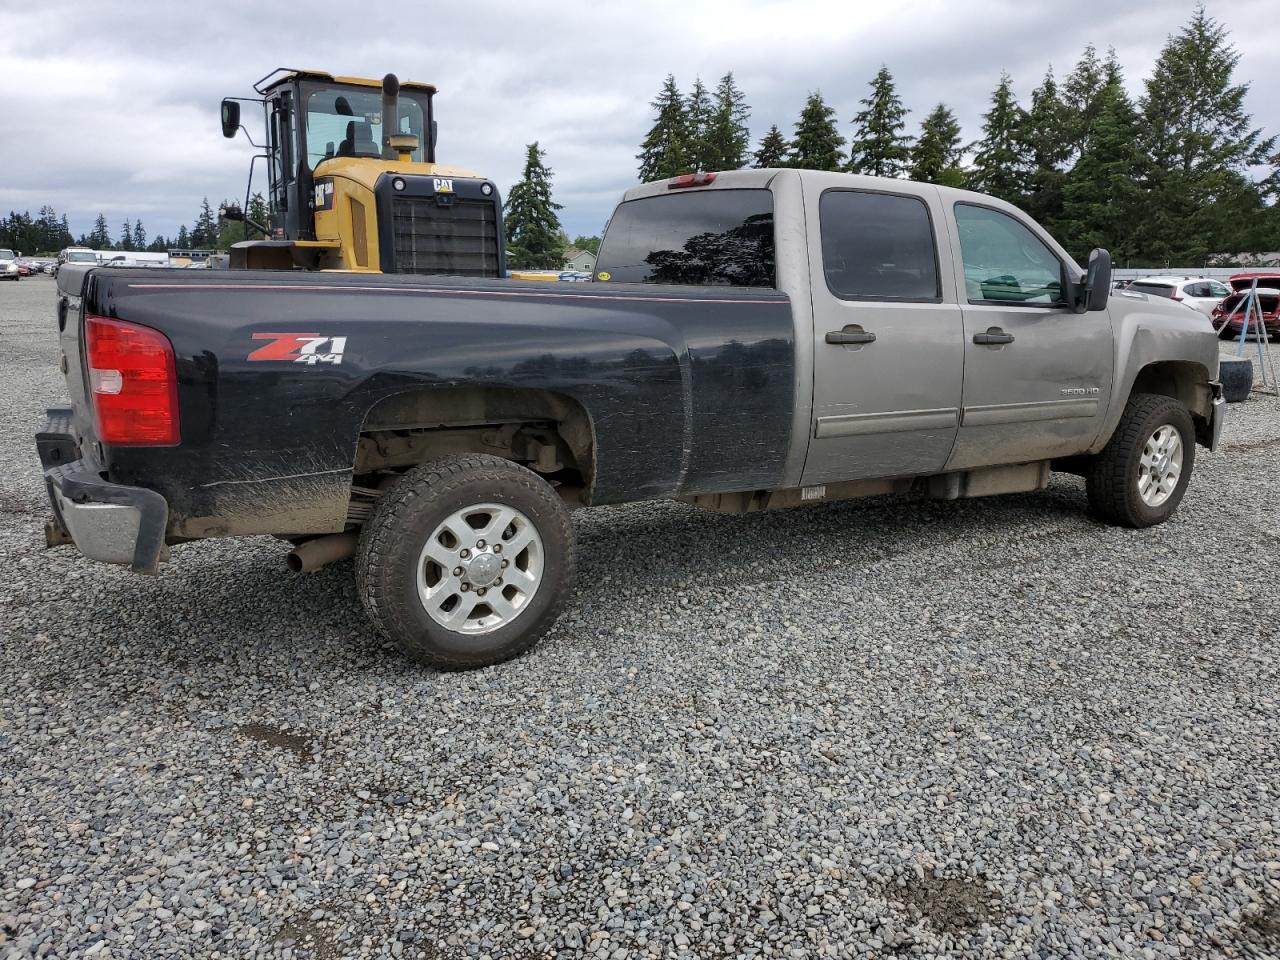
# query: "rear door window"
x,y
697,238
1152,289
878,246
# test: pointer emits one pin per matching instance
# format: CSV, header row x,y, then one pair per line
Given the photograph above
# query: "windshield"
x,y
342,122
6,254
82,256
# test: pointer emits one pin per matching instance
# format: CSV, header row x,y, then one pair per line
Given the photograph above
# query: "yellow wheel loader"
x,y
354,182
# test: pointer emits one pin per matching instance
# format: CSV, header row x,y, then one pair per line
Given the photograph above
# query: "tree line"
x,y
1166,179
48,232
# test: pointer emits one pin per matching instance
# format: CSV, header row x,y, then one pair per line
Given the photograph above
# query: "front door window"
x,y
1004,262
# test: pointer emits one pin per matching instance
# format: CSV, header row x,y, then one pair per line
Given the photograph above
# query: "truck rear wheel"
x,y
1140,476
466,562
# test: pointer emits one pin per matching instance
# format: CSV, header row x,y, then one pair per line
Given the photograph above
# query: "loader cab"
x,y
353,182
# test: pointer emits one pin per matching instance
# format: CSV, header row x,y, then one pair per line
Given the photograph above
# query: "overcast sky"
x,y
113,107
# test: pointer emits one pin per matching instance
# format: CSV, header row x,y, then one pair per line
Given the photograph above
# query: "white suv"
x,y
1198,293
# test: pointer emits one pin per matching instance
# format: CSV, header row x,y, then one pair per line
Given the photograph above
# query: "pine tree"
x,y
879,147
727,137
64,237
1080,97
1202,144
817,143
664,152
1000,162
126,237
1104,197
205,233
258,211
139,236
533,229
99,238
1045,137
935,156
698,111
773,150
184,238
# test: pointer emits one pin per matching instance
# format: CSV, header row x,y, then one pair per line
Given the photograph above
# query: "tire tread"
x,y
389,525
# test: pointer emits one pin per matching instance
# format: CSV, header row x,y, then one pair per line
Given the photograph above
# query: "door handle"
x,y
993,337
850,334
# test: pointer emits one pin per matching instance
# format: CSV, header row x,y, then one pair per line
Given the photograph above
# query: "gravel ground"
x,y
986,728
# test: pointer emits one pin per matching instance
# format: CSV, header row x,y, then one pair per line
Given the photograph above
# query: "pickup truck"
x,y
752,340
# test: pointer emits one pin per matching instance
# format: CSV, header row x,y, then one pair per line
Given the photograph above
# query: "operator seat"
x,y
359,141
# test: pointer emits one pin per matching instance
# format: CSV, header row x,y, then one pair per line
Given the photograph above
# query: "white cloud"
x,y
114,107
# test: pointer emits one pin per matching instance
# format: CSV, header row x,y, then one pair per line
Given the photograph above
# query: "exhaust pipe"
x,y
322,551
390,115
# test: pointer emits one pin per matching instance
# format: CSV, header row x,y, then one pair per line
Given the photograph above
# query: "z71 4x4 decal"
x,y
300,348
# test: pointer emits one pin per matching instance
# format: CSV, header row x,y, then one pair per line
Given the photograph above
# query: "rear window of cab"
x,y
694,238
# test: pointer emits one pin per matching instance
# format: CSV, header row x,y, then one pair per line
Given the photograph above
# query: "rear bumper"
x,y
106,521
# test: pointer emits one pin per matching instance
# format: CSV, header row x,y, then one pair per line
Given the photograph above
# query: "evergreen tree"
x,y
1202,144
772,151
698,114
158,245
589,244
1080,96
126,237
1000,162
534,239
64,237
817,143
184,238
205,233
935,156
664,152
1045,137
1104,197
726,137
879,147
139,236
258,211
99,238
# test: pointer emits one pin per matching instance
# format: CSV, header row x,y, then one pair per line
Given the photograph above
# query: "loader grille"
x,y
460,239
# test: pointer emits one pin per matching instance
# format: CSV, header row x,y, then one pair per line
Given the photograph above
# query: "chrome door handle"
x,y
993,337
850,334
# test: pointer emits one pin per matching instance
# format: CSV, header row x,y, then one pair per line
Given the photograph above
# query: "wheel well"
x,y
1183,380
547,432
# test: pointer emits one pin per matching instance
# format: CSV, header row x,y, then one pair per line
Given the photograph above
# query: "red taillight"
x,y
1176,299
133,383
691,180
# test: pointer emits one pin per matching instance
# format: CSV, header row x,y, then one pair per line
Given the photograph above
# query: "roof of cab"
x,y
284,74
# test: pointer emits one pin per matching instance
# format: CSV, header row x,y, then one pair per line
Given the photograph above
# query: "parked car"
x,y
1199,293
9,269
753,340
1229,318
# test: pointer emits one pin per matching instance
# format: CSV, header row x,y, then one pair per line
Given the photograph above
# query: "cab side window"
x,y
1217,289
878,246
1004,262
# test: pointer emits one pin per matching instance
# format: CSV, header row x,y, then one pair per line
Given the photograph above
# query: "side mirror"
x,y
230,118
1097,279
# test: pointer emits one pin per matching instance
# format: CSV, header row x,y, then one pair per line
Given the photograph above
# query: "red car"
x,y
1228,316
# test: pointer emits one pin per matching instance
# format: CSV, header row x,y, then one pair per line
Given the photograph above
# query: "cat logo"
x,y
443,185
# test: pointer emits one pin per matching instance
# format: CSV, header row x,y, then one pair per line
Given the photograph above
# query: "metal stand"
x,y
1252,316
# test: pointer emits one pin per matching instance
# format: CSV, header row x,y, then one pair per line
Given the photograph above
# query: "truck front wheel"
x,y
1140,476
466,561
